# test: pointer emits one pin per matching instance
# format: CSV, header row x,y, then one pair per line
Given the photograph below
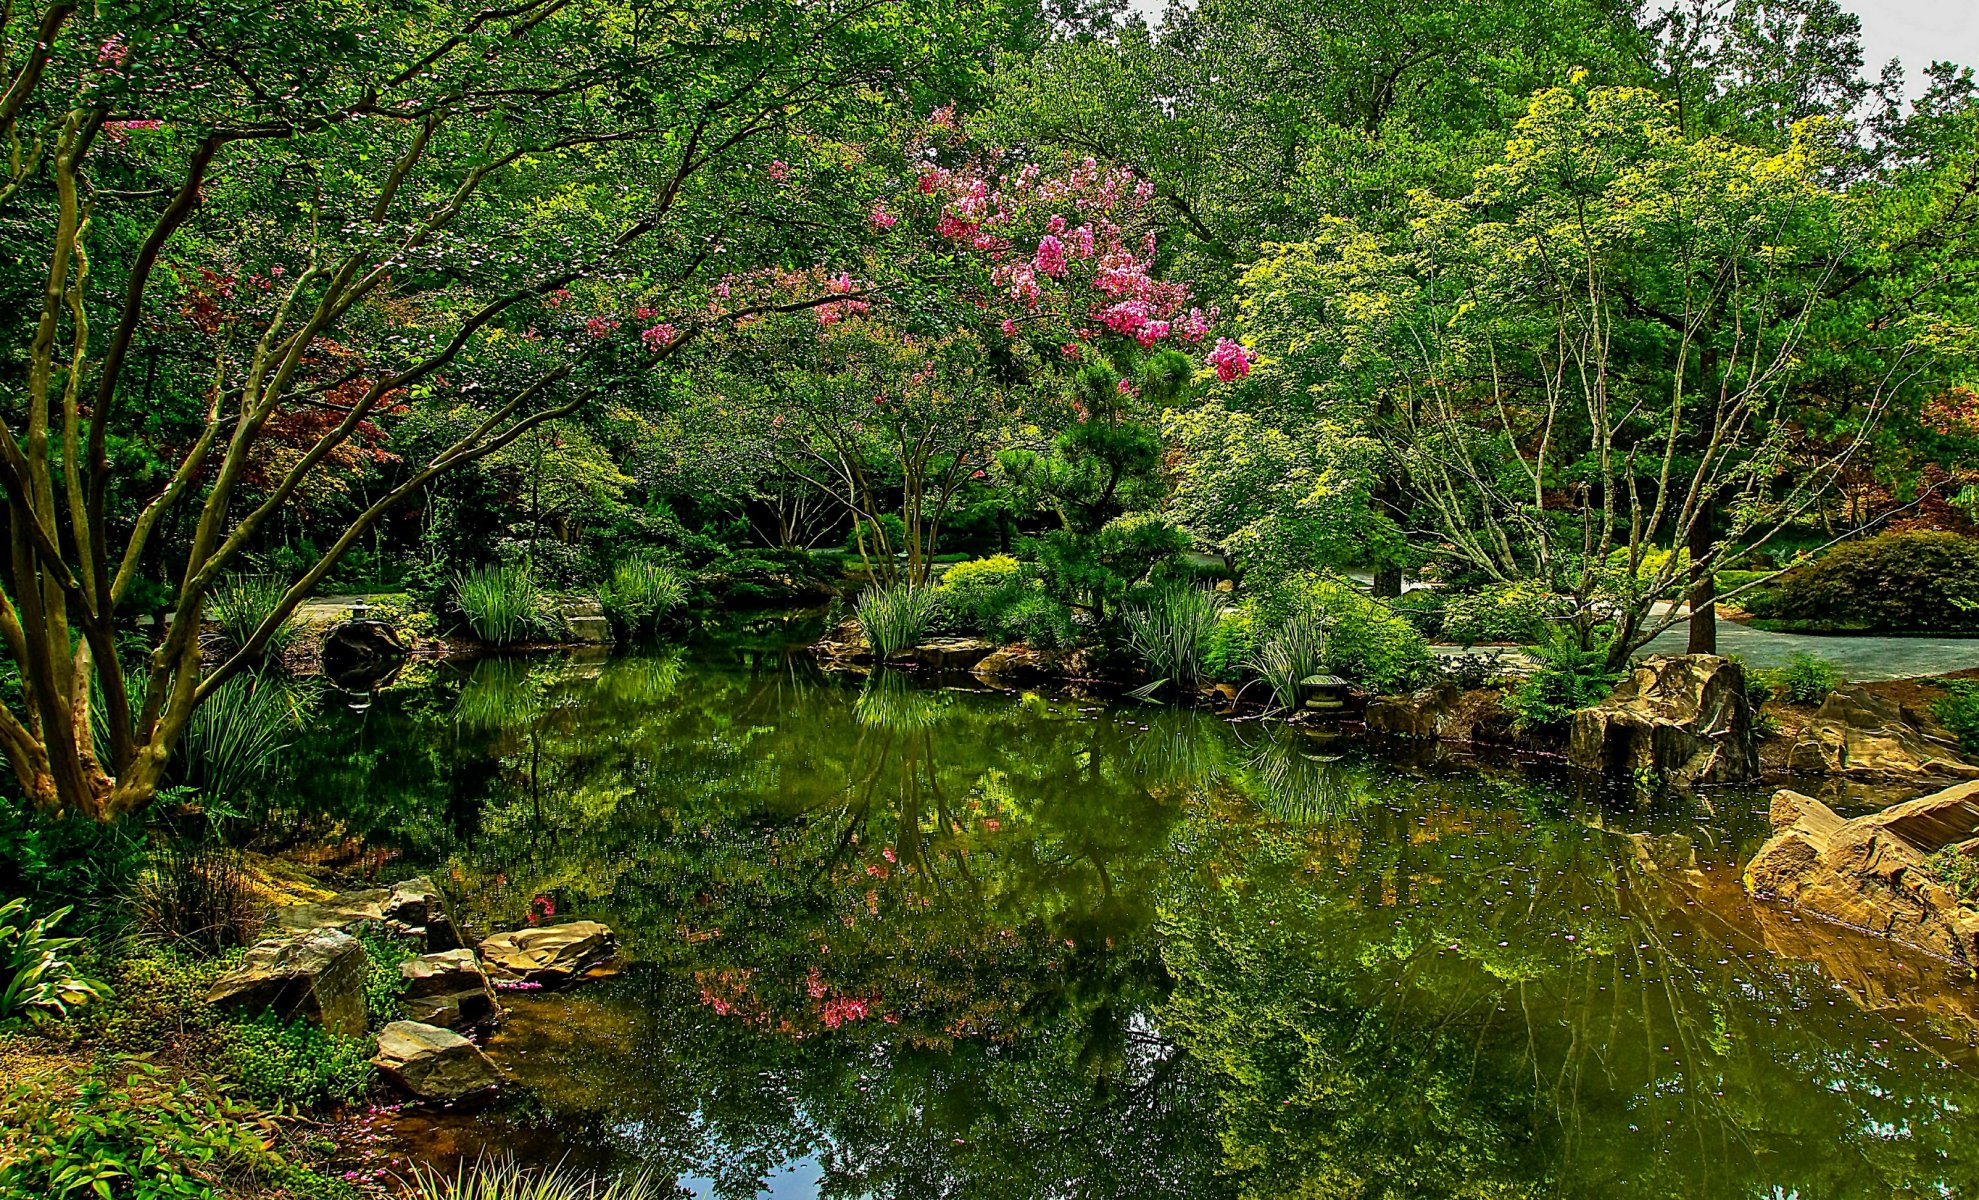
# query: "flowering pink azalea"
x,y
601,327
645,312
1231,360
1009,327
779,170
1124,387
1072,351
1050,259
880,219
1150,333
658,337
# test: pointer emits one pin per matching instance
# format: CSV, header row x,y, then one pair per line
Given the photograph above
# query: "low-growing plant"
x,y
1170,632
1958,711
1292,654
1758,690
384,986
980,590
1807,678
507,1181
895,618
1036,620
1570,677
641,593
1235,641
240,603
1469,671
1366,641
1957,867
160,995
37,977
501,602
281,1061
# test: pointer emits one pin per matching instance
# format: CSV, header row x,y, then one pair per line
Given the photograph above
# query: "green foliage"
x,y
1957,867
978,590
384,987
236,738
197,893
896,617
1570,678
160,996
501,602
280,1061
1294,652
37,977
1894,581
641,593
143,1138
1366,641
1510,612
1422,608
71,860
1036,620
1096,570
1233,643
1958,710
489,1180
1807,678
1171,631
239,603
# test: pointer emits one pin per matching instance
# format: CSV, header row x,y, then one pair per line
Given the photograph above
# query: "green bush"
x,y
1422,608
1036,620
1233,643
1958,710
1171,631
36,975
1895,581
384,986
897,617
640,593
139,1139
1569,679
1806,679
1958,869
74,861
295,1062
501,603
979,590
1366,641
1508,612
240,603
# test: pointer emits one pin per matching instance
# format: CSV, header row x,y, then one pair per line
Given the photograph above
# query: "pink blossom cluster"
x,y
1231,360
658,337
880,219
601,327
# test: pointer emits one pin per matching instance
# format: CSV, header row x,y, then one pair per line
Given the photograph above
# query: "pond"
x,y
889,938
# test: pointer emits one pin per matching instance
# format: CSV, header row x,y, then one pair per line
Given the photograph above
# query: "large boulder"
x,y
360,653
1020,663
951,654
844,643
548,954
448,989
318,975
412,910
1438,712
1685,718
435,1064
1860,735
1872,872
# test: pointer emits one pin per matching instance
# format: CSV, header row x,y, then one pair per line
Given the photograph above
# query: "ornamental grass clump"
x,y
1294,653
499,602
896,617
1171,633
487,1180
239,604
641,592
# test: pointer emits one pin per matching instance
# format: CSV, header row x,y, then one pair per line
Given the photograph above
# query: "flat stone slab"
x,y
434,1064
548,954
449,989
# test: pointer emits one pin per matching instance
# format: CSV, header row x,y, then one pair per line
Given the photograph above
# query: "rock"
x,y
1431,712
411,910
360,653
845,643
951,654
548,954
318,974
434,1064
1018,663
1871,872
587,622
1861,735
449,989
1684,717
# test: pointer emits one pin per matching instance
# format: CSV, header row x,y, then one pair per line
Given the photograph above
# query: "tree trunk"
x,y
1703,585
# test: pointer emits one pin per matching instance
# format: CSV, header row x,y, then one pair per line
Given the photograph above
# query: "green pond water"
x,y
889,938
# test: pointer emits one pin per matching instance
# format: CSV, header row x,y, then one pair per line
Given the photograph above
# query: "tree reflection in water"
x,y
946,943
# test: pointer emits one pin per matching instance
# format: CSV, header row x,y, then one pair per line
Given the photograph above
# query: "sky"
x,y
1915,31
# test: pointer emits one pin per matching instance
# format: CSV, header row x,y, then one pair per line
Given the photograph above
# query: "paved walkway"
x,y
1859,658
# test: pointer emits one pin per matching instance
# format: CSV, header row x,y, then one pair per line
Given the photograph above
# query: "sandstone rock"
x,y
1861,735
410,910
434,1064
1871,872
845,643
548,954
1431,712
1684,717
1019,663
448,989
359,652
587,622
318,975
951,654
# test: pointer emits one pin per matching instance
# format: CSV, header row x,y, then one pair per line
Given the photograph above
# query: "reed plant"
x,y
198,893
1292,654
235,740
896,616
641,592
500,602
239,604
498,1180
1171,633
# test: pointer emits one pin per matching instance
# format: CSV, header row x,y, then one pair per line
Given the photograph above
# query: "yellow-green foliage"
x,y
977,590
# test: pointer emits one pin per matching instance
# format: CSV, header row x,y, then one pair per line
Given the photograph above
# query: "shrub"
x,y
895,618
1807,678
1569,679
142,1138
1422,608
1958,709
981,589
1036,620
199,894
499,1180
500,602
1233,643
36,976
1366,641
295,1062
1510,612
384,986
1291,655
1172,630
240,603
641,592
1898,581
73,860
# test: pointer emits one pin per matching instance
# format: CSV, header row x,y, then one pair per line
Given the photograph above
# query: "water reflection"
x,y
910,942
